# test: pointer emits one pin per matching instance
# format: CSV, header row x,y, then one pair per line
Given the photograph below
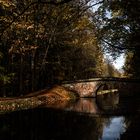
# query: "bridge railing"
x,y
115,79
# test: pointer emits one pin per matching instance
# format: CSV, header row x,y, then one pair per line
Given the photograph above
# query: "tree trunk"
x,y
33,70
21,76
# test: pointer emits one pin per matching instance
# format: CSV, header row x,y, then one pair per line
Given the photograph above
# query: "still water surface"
x,y
114,129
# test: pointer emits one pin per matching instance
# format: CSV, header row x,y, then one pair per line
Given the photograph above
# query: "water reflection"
x,y
109,102
101,104
114,129
84,105
53,124
50,124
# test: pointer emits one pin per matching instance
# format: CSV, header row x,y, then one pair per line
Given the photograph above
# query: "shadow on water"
x,y
107,117
43,123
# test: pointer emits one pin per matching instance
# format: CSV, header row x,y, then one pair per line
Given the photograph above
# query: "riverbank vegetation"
x,y
58,97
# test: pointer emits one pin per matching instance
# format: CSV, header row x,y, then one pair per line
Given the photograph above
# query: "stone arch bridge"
x,y
93,87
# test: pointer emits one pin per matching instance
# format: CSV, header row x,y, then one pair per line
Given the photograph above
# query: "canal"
x,y
113,116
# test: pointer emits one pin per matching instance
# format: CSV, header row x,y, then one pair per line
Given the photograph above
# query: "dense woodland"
x,y
44,42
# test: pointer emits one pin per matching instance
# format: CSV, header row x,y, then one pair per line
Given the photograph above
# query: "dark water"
x,y
108,117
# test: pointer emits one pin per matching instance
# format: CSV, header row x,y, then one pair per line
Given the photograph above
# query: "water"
x,y
42,124
114,129
107,117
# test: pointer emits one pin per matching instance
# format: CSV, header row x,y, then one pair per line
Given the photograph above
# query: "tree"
x,y
118,29
42,41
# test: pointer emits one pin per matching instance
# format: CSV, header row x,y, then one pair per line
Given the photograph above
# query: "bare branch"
x,y
54,2
118,47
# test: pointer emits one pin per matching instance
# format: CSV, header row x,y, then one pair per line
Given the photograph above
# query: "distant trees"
x,y
118,30
131,67
132,12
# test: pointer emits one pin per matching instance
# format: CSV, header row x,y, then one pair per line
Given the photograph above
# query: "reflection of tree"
x,y
42,124
84,106
133,128
108,102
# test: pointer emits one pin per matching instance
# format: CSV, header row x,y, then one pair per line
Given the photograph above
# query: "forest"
x,y
45,42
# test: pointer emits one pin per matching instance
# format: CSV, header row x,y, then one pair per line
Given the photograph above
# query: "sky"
x,y
119,62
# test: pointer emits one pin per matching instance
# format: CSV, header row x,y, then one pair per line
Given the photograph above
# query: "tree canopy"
x,y
46,41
